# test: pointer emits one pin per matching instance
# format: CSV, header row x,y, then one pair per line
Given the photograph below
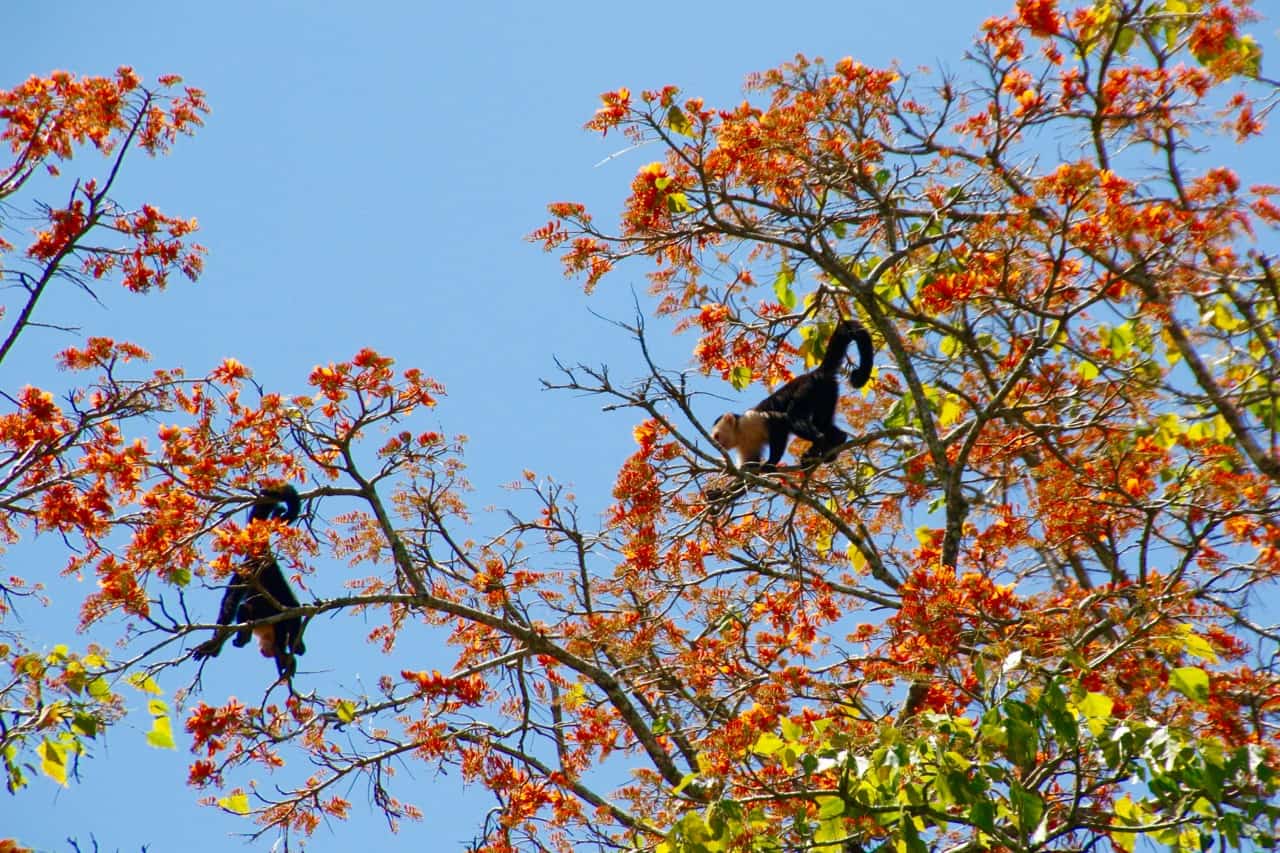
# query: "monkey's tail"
x,y
281,502
838,347
866,353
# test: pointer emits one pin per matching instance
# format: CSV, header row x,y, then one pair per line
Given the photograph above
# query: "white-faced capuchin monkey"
x,y
805,406
260,591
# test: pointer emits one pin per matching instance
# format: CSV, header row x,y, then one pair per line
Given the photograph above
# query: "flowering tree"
x,y
1022,608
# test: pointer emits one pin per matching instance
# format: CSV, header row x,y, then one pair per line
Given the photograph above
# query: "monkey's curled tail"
x,y
847,332
866,353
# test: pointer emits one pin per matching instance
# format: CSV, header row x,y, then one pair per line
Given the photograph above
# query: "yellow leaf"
x,y
1127,813
950,410
53,761
145,683
161,734
237,803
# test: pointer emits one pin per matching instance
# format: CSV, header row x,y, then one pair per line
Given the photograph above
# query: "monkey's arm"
x,y
227,611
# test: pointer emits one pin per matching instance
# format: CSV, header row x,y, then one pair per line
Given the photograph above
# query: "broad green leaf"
x,y
1023,742
949,346
678,203
1190,681
1027,805
982,814
829,807
346,711
1088,370
740,377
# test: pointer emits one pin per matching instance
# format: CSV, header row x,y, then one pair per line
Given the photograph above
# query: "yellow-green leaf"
x,y
782,287
1190,681
145,683
740,377
829,807
1096,710
767,744
678,203
1088,370
1196,645
678,121
346,711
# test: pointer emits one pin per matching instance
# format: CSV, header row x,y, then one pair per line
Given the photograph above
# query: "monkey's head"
x,y
725,431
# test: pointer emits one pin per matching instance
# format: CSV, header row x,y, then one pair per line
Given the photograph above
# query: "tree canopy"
x,y
1024,607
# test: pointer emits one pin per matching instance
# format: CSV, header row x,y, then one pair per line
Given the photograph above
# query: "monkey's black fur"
x,y
805,406
260,591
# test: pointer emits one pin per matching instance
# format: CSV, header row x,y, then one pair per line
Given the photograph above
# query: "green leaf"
x,y
1190,681
911,842
982,814
1023,743
1096,710
829,807
236,803
346,711
85,724
782,287
740,377
1053,705
1124,40
678,203
1028,806
1088,370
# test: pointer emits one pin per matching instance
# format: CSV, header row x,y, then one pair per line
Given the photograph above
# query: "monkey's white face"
x,y
725,432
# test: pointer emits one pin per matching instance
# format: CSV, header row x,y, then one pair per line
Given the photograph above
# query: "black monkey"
x,y
260,591
805,406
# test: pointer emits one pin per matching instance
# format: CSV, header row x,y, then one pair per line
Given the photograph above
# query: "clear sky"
x,y
367,178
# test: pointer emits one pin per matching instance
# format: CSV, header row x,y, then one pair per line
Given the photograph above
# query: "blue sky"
x,y
366,179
